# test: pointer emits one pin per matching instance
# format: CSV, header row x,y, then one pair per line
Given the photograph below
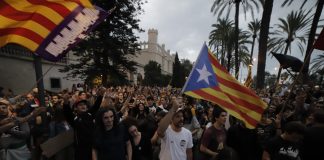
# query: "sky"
x,y
184,25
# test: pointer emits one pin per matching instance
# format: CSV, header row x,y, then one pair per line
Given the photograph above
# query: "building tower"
x,y
152,40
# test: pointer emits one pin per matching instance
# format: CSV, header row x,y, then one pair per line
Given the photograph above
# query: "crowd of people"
x,y
155,123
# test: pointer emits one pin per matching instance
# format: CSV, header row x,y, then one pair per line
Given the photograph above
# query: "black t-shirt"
x,y
111,144
265,133
280,149
243,141
313,143
142,151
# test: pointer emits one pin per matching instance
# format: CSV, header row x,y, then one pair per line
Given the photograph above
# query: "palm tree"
x,y
292,29
224,33
319,7
220,35
318,63
317,15
244,56
264,31
254,28
220,5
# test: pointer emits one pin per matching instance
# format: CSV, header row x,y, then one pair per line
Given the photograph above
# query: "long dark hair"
x,y
99,124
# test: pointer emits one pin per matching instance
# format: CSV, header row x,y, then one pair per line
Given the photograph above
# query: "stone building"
x,y
17,71
151,50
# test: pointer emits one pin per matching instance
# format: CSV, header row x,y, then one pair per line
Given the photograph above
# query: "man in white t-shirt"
x,y
176,141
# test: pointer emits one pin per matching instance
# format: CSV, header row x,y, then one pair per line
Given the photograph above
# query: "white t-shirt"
x,y
174,144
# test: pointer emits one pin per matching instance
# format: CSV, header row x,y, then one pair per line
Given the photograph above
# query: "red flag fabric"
x,y
49,28
319,44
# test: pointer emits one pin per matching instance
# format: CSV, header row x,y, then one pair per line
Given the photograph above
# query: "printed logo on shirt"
x,y
182,143
290,152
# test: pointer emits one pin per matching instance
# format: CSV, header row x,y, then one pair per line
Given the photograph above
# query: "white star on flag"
x,y
203,74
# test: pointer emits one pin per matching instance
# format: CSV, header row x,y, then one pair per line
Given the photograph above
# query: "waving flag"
x,y
249,79
319,44
208,80
49,28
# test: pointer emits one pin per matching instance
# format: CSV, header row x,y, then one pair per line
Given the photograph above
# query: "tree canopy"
x,y
105,51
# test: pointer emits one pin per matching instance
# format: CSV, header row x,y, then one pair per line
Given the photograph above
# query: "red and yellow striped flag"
x,y
47,27
208,80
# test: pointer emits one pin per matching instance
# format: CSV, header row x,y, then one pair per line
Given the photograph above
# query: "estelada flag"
x,y
208,80
49,28
319,44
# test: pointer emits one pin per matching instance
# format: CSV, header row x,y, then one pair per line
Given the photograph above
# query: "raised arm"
x,y
8,123
93,110
165,121
68,112
126,103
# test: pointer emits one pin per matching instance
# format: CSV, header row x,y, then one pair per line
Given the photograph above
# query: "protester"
x,y
243,140
265,130
58,126
83,124
286,146
176,141
141,141
13,141
214,137
111,139
313,142
149,105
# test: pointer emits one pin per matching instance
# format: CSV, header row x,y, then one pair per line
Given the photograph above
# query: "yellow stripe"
x,y
239,94
242,96
86,3
31,45
254,115
67,4
192,94
31,25
224,97
225,76
231,112
25,6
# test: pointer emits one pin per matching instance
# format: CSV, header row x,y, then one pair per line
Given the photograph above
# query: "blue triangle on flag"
x,y
202,75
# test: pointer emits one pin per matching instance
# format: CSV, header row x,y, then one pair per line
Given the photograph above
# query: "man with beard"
x,y
176,141
14,134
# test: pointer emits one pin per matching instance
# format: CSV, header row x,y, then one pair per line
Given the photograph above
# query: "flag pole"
x,y
39,79
296,80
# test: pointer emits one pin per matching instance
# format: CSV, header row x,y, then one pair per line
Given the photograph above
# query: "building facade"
x,y
17,71
150,50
